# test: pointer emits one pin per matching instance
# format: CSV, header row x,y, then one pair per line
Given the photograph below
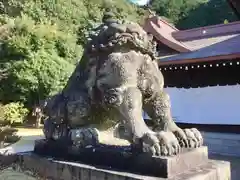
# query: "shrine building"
x,y
201,67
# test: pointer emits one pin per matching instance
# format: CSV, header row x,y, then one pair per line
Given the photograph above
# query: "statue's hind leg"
x,y
79,112
159,109
70,121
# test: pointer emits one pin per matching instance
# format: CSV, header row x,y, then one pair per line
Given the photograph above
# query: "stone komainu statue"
x,y
117,78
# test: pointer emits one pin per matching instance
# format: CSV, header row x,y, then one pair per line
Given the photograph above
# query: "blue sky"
x,y
139,2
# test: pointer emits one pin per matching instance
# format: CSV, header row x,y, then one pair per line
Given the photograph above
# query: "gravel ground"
x,y
105,136
29,132
28,137
26,143
10,174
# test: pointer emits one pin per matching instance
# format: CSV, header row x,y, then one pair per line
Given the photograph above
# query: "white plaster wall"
x,y
211,105
222,143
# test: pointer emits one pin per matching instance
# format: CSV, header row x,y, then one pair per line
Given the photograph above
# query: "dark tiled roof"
x,y
226,47
216,41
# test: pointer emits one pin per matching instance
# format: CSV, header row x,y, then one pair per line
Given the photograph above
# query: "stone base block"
x,y
126,160
46,168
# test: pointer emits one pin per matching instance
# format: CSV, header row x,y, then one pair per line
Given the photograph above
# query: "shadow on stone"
x,y
124,158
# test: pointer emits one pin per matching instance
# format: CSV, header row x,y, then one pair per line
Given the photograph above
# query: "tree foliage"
x,y
42,40
208,13
12,113
194,13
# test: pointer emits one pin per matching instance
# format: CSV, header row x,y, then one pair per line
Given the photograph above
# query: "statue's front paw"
x,y
194,137
182,138
169,143
151,144
189,138
160,143
54,131
84,137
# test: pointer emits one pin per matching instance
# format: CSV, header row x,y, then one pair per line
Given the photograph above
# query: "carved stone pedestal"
x,y
122,163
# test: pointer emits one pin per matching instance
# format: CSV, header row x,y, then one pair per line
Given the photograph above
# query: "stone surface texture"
x,y
47,168
126,159
116,78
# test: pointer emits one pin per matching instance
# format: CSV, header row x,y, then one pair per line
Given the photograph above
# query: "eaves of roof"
x,y
216,42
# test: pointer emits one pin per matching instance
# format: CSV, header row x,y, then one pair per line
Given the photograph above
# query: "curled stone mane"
x,y
115,34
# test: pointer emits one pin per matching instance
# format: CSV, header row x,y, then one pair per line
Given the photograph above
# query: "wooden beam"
x,y
200,60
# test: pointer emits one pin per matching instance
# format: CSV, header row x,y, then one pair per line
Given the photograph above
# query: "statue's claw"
x,y
151,144
189,138
169,143
182,138
198,137
192,141
160,143
84,137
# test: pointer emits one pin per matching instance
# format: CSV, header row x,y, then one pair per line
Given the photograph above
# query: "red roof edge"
x,y
165,22
207,31
162,31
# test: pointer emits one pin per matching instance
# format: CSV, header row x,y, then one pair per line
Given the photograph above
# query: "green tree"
x,y
13,113
208,13
194,13
42,40
173,9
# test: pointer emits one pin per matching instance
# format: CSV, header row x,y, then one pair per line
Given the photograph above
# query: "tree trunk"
x,y
38,121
